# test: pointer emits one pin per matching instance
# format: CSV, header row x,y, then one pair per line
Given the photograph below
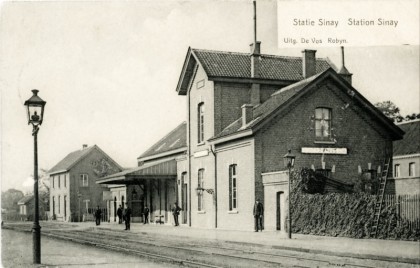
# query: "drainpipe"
x,y
189,158
215,185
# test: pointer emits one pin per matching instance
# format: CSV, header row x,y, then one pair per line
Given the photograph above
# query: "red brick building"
x,y
73,188
245,111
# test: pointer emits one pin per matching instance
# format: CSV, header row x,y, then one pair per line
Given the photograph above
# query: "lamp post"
x,y
35,109
289,162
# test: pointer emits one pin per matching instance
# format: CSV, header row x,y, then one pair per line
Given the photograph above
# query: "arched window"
x,y
323,124
200,123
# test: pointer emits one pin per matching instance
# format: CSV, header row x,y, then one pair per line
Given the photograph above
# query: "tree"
x,y
389,109
10,198
412,116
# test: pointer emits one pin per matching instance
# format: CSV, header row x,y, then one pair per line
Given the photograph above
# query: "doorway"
x,y
279,204
184,203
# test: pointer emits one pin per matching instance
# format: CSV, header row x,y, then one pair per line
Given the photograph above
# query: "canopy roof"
x,y
158,170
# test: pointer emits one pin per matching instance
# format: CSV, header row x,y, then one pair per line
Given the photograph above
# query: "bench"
x,y
158,219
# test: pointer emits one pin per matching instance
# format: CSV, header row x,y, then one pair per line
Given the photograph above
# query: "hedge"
x,y
343,214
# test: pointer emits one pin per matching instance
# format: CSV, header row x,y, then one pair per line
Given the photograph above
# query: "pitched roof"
x,y
410,144
73,158
25,199
285,96
266,108
222,64
234,64
176,139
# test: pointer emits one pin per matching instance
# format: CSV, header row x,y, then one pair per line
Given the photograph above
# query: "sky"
x,y
108,72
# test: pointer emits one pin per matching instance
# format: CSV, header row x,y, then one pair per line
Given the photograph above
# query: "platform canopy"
x,y
156,170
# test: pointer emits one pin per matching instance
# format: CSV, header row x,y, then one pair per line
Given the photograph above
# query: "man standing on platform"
x,y
119,214
175,211
146,214
258,215
98,214
127,217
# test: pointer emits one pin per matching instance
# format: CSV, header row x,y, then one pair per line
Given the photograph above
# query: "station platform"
x,y
376,249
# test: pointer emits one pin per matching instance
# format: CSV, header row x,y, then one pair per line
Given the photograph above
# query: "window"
x,y
59,181
59,198
412,169
200,122
84,181
200,84
396,170
323,124
200,184
53,182
65,180
233,195
53,208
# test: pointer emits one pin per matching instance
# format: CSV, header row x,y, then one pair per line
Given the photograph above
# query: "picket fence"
x,y
408,208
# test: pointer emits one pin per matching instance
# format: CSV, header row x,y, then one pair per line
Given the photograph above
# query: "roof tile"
x,y
238,65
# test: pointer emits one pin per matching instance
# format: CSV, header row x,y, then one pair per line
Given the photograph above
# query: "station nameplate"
x,y
201,153
317,150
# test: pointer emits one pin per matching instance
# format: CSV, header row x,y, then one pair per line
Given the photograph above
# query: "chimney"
x,y
85,146
308,63
255,63
255,72
344,73
246,114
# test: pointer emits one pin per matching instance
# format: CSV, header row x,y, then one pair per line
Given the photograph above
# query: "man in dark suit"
x,y
175,211
120,214
98,214
146,214
258,215
127,216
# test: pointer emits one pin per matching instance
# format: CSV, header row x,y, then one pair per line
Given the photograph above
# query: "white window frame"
x,y
200,122
233,187
412,169
200,184
84,180
323,124
397,170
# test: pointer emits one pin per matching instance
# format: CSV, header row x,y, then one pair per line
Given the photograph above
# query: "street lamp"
x,y
289,162
35,109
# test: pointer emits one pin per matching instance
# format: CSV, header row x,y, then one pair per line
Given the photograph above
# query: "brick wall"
x,y
353,128
228,99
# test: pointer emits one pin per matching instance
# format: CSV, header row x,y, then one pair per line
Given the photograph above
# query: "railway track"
x,y
199,254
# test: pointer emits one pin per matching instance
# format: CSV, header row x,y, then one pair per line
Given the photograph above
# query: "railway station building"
x,y
245,111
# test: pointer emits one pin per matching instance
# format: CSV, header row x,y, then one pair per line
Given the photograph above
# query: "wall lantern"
x,y
200,190
289,159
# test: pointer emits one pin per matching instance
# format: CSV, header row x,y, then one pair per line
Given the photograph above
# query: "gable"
x,y
222,64
74,158
283,100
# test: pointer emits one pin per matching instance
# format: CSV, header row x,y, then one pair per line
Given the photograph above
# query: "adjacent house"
x,y
406,159
27,205
73,188
245,111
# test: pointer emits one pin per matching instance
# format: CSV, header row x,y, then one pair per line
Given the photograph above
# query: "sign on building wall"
x,y
107,195
320,150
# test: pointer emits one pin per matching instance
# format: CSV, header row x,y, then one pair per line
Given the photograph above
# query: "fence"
x,y
407,207
90,215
